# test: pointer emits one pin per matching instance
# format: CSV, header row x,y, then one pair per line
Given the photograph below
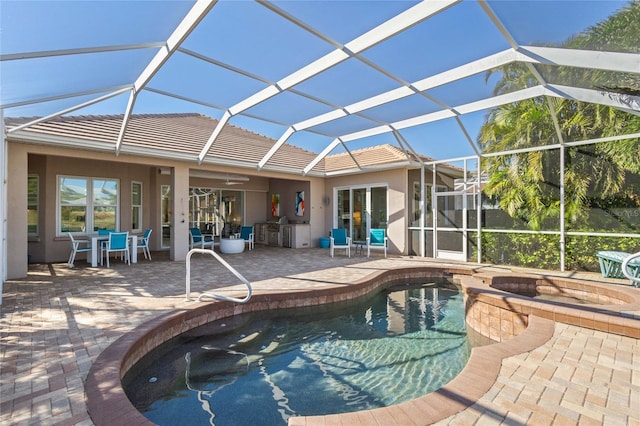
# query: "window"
x,y
33,194
86,204
105,204
165,213
378,207
136,206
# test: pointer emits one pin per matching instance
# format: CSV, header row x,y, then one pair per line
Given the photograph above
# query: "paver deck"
x,y
56,322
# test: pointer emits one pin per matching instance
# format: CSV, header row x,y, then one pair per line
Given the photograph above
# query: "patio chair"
x,y
143,243
197,238
103,243
377,238
118,242
246,233
76,248
339,240
611,264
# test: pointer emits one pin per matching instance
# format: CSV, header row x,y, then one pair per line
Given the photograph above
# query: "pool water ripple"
x,y
392,348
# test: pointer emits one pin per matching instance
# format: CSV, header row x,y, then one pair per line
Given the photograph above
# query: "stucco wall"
x,y
56,247
287,190
49,161
315,211
16,214
396,183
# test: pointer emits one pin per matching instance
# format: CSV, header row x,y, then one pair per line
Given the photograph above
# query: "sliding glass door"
x,y
359,209
216,211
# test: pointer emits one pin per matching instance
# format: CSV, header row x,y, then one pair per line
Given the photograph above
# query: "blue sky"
x,y
250,37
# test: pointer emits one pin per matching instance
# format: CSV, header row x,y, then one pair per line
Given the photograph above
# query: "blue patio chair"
x,y
143,243
77,246
377,238
197,238
339,240
103,243
246,233
118,242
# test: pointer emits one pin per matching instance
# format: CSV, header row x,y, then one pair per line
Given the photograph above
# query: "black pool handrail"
x,y
625,269
226,265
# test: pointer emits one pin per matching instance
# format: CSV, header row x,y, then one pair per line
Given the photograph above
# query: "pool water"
x,y
264,368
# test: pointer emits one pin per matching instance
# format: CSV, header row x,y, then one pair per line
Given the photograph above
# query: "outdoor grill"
x,y
273,230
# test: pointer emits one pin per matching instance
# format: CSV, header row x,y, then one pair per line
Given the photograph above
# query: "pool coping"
x,y
107,402
617,317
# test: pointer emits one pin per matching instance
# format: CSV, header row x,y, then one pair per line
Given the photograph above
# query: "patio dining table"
x,y
96,241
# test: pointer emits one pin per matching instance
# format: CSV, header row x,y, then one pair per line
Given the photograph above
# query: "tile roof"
x,y
164,134
185,134
371,156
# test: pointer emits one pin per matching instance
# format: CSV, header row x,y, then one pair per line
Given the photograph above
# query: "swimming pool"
x,y
265,367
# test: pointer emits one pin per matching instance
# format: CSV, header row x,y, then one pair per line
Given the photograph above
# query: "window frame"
x,y
36,204
134,206
89,204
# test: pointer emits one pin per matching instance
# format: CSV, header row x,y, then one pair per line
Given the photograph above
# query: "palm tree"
x,y
527,184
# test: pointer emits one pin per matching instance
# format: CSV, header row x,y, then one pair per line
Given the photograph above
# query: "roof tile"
x,y
189,132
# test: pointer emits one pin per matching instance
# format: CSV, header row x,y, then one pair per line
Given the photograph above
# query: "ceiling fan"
x,y
235,180
230,182
227,178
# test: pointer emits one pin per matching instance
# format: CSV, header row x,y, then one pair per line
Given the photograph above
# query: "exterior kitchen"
x,y
288,224
280,210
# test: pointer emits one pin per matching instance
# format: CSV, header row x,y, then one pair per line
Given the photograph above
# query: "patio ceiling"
x,y
327,76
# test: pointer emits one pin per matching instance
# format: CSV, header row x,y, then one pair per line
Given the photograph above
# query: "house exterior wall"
x,y
254,211
56,248
17,162
318,211
48,162
287,189
314,213
396,182
180,218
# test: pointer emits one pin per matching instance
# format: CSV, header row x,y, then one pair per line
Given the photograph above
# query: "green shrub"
x,y
542,251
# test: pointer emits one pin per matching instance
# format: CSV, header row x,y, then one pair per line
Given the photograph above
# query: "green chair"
x,y
339,240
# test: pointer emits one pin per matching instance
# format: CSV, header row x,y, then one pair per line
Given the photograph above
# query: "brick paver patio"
x,y
57,321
